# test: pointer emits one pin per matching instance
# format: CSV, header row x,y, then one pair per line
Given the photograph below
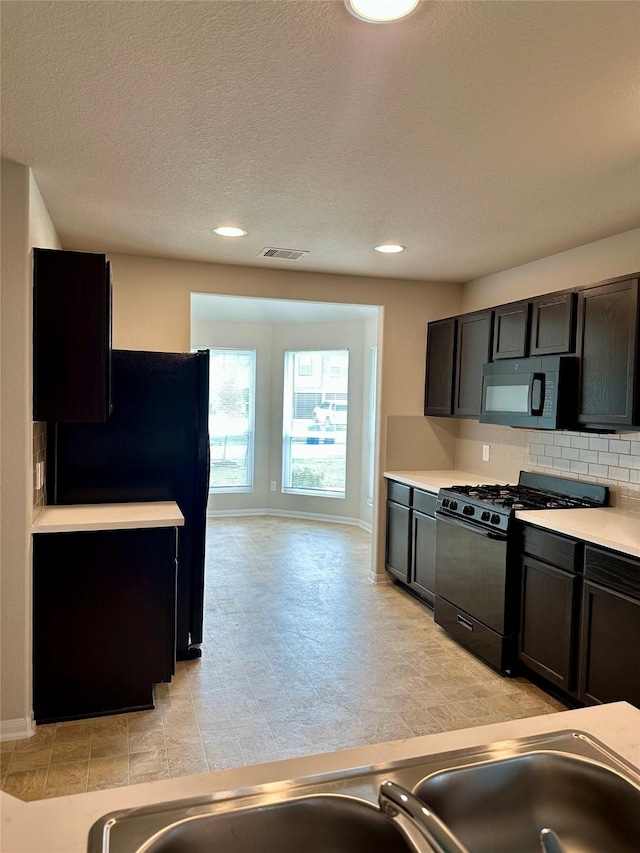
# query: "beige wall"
x,y
586,264
25,223
612,460
152,311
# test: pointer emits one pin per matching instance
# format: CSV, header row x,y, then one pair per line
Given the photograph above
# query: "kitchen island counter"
x,y
62,825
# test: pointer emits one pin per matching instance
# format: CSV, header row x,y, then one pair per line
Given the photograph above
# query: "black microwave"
x,y
540,393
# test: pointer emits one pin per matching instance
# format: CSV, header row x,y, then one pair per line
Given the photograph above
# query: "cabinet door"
x,y
438,390
398,540
423,568
548,599
511,330
607,346
103,620
473,350
553,324
609,647
71,336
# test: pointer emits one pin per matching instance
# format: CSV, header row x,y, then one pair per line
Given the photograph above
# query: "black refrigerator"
x,y
153,447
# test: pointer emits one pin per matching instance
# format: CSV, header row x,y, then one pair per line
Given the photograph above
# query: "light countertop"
x,y
610,527
122,516
61,825
433,481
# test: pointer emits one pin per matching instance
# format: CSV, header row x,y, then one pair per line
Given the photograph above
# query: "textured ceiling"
x,y
480,135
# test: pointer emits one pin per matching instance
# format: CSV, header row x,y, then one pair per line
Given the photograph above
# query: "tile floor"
x,y
301,655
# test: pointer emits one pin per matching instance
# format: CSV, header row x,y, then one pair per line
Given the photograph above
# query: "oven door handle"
x,y
488,534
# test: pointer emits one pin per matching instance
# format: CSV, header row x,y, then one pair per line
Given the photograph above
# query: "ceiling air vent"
x,y
288,254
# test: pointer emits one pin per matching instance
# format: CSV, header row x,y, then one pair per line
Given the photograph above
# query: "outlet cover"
x,y
486,450
273,485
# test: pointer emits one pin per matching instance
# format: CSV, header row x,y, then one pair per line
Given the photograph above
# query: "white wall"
x,y
25,223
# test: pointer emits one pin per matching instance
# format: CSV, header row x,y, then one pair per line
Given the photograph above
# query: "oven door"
x,y
471,569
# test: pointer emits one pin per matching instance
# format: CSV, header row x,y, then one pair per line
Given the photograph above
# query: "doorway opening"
x,y
292,408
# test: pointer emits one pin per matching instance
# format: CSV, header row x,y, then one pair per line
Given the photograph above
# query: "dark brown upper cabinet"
x,y
607,343
553,324
71,336
511,330
473,349
438,390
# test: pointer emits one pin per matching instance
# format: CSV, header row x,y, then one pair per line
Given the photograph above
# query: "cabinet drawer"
x,y
424,502
492,647
614,571
551,548
399,493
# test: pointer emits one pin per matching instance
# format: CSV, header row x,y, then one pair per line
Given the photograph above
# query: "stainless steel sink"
x,y
501,806
310,824
494,798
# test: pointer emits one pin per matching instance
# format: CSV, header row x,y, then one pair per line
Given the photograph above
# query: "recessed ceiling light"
x,y
389,248
380,11
229,231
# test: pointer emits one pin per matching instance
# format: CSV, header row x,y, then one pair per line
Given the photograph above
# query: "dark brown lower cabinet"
x,y
411,538
609,647
398,540
422,579
548,620
104,606
580,618
423,575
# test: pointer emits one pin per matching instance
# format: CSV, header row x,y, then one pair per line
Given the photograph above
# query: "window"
x,y
314,422
232,381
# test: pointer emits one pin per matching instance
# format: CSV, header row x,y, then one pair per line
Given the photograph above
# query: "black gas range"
x,y
494,506
478,556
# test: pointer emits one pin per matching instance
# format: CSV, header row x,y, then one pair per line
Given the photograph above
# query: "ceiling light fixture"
x,y
389,248
380,11
229,231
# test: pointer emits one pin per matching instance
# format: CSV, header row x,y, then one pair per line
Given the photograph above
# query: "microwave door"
x,y
508,399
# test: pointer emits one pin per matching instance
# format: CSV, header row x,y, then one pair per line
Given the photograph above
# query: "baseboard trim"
x,y
379,579
17,729
230,513
283,513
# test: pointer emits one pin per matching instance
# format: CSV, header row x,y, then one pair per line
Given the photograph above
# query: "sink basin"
x,y
501,806
495,798
310,824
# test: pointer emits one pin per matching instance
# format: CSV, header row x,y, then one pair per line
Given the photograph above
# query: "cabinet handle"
x,y
464,622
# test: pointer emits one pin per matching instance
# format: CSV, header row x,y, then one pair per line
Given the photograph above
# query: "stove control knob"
x,y
495,518
453,505
468,510
486,515
445,501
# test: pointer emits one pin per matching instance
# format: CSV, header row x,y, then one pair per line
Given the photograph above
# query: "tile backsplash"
x,y
611,460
